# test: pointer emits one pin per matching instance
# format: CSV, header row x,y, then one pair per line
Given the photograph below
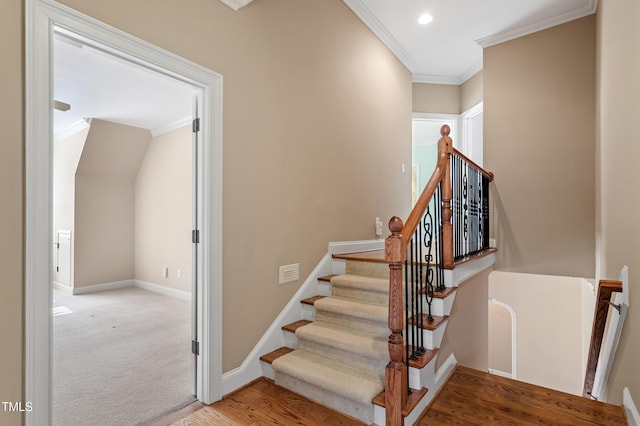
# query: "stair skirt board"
x,y
252,368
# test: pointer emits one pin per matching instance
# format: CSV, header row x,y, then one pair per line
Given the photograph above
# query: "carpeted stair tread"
x,y
345,339
353,308
378,285
335,377
361,288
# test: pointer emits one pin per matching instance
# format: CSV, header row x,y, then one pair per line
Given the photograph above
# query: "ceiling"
x,y
97,84
448,50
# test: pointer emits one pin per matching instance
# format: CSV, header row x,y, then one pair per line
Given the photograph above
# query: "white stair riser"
x,y
267,370
308,313
431,339
324,288
442,307
422,377
290,340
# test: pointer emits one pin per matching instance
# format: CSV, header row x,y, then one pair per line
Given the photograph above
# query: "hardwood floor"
x,y
264,403
472,397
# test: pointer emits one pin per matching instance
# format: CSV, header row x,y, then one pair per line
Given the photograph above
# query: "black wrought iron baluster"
x,y
418,346
440,246
485,210
428,225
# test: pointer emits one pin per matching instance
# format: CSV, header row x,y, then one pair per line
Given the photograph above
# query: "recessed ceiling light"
x,y
425,19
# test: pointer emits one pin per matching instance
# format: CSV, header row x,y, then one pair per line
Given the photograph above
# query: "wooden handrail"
x,y
444,150
605,289
396,376
475,165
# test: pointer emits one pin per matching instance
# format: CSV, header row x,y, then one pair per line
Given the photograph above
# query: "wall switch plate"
x,y
165,272
378,227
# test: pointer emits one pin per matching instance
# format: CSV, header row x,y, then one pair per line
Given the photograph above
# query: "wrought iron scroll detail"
x,y
470,208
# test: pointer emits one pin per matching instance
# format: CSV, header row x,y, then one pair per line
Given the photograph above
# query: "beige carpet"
x,y
120,357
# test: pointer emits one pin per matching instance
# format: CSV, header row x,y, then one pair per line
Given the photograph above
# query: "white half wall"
x,y
549,327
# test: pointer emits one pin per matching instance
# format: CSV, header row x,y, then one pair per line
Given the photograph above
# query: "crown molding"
x,y
362,11
236,4
435,79
74,128
589,8
171,126
452,80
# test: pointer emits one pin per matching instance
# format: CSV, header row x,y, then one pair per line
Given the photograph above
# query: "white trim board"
x,y
145,285
500,373
630,407
97,288
514,341
165,291
41,16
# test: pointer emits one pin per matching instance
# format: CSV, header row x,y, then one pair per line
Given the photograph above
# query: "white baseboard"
x,y
500,373
632,412
102,287
166,291
445,369
355,246
63,288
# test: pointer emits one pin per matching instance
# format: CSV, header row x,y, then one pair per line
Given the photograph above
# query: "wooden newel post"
x,y
445,148
395,372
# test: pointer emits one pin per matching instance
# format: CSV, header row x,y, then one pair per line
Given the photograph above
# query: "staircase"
x,y
337,355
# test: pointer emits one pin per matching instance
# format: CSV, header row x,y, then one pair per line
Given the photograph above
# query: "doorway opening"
x,y
42,16
122,219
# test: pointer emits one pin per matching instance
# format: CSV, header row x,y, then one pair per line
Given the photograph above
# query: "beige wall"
x,y
539,106
471,92
469,344
163,211
317,123
11,208
104,203
549,331
436,98
447,98
618,68
66,156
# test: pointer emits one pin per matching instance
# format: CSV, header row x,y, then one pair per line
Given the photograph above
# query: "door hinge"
x,y
196,125
195,236
195,347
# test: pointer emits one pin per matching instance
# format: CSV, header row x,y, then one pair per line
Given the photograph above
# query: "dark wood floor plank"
x,y
264,403
473,397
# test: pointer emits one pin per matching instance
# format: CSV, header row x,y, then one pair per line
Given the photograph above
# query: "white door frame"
x,y
41,17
